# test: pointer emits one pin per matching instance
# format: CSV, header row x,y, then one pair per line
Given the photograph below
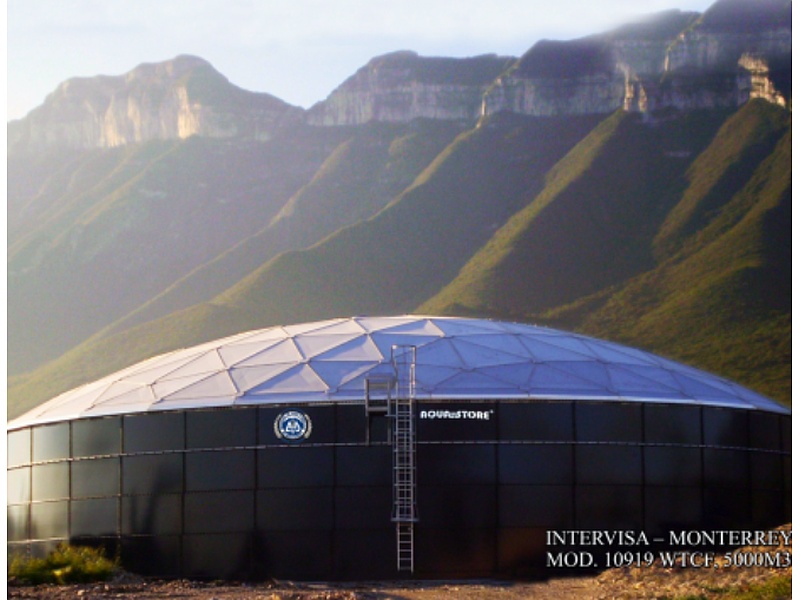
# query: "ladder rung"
x,y
403,440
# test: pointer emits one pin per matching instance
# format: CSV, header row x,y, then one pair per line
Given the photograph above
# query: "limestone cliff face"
x,y
403,86
736,50
170,100
733,52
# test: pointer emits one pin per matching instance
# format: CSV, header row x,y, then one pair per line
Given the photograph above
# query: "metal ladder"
x,y
404,455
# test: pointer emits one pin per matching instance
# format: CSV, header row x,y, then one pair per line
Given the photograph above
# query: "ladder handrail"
x,y
404,462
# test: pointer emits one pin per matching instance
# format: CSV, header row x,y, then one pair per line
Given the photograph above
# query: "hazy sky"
x,y
297,50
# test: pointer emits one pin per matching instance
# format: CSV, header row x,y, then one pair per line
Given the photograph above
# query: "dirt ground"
x,y
656,581
561,589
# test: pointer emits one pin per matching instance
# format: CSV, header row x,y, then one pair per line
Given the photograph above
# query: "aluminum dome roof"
x,y
456,359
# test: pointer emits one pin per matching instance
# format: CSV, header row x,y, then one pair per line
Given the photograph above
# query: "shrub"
x,y
65,564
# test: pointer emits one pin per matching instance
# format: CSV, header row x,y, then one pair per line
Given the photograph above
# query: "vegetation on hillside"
x,y
722,300
670,234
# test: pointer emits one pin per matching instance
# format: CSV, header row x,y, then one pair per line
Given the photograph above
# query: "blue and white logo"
x,y
293,425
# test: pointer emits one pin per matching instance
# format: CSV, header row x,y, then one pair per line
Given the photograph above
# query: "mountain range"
x,y
633,185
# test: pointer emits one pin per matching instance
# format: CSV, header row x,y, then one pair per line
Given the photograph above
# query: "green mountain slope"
x,y
417,244
590,227
389,263
722,170
722,301
361,175
111,228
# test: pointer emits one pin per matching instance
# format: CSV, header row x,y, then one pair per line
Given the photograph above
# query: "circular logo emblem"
x,y
293,425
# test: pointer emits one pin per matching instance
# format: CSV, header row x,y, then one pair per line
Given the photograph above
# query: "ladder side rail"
x,y
404,511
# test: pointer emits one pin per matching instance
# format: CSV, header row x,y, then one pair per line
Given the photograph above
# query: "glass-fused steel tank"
x,y
256,455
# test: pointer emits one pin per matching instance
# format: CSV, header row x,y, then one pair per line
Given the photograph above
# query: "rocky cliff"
x,y
403,86
737,50
175,99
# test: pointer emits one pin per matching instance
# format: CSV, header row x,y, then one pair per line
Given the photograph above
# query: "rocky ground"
x,y
656,581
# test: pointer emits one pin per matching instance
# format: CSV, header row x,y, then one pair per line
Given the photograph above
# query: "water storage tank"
x,y
258,456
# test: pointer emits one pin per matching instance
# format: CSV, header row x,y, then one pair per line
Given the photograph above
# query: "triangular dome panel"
x,y
277,352
360,348
546,349
455,359
219,384
312,346
299,378
247,378
480,357
208,362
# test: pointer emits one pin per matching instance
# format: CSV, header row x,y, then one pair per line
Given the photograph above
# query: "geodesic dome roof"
x,y
456,358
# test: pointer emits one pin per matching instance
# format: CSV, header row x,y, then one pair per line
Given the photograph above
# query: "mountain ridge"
x,y
659,62
169,100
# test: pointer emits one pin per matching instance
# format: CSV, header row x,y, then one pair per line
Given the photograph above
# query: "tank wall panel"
x,y
228,556
351,424
544,421
17,523
220,470
363,507
457,463
535,463
520,551
294,554
155,432
49,520
294,509
723,427
455,552
18,485
457,506
765,431
672,424
726,509
296,466
18,447
50,481
526,506
672,507
51,442
766,470
95,477
221,428
94,517
671,465
150,555
96,437
152,474
787,472
608,464
154,515
728,468
219,512
363,465
768,509
357,552
609,507
786,433
606,422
